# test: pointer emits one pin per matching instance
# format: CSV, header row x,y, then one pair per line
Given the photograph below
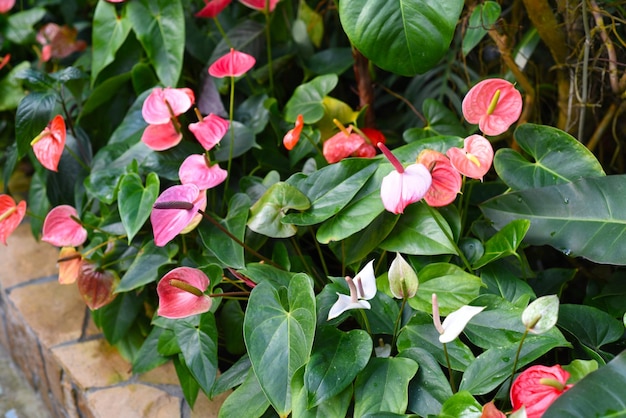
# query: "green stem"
x,y
397,323
231,111
222,32
452,383
450,239
310,271
517,354
319,253
366,322
268,42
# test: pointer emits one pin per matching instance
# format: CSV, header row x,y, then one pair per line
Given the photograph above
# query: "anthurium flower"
x,y
181,293
161,137
69,262
475,159
446,182
292,137
62,228
210,130
260,4
196,169
537,387
342,145
162,104
49,144
174,210
403,186
455,322
5,60
212,8
58,41
6,5
233,64
362,288
96,287
494,104
403,280
11,215
490,411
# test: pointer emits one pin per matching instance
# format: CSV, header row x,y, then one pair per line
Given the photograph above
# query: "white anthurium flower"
x,y
362,289
454,323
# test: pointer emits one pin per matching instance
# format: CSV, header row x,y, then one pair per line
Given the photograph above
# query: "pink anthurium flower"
x,y
537,387
403,186
475,159
455,322
62,227
362,288
494,104
260,4
212,8
161,137
11,215
49,144
342,145
174,210
292,137
181,293
6,5
196,169
446,182
165,103
69,262
233,64
210,130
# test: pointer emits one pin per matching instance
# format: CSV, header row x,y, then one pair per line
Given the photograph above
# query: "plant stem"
x,y
519,350
397,323
319,253
268,42
366,322
452,384
231,111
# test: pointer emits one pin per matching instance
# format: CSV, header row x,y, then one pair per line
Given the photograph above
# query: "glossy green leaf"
x,y
334,407
148,356
504,242
234,376
579,369
198,346
240,137
135,201
116,318
330,60
229,252
188,383
267,213
230,323
108,34
20,29
133,125
383,386
307,99
420,332
34,113
591,326
584,218
500,281
262,272
418,232
461,404
336,359
248,400
440,120
600,393
104,93
278,332
430,388
145,266
160,28
482,19
420,31
454,288
11,90
549,147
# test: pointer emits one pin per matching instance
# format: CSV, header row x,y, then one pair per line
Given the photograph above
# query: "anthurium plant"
x,y
332,208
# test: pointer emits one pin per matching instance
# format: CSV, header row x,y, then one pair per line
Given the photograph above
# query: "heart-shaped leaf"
x,y
504,242
307,99
135,201
145,267
109,33
267,213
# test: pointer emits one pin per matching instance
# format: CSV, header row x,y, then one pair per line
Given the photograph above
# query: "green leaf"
x,y
499,280
240,137
234,376
383,386
248,400
267,213
591,326
145,266
135,201
440,121
198,347
335,407
188,383
307,99
600,393
549,147
336,359
585,218
278,331
160,28
117,317
104,93
504,242
109,33
579,369
482,19
230,323
20,25
148,356
461,404
11,90
419,31
34,113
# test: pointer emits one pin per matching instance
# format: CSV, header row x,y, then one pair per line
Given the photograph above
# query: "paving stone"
x,y
133,401
162,375
205,408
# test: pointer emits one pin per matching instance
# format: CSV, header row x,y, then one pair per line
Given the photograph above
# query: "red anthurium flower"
x,y
174,210
212,8
210,130
233,64
365,151
197,170
161,137
58,41
475,159
537,387
97,287
292,137
6,5
403,186
341,145
490,411
69,262
165,103
446,182
260,4
181,293
49,144
494,104
5,60
62,228
11,215
374,136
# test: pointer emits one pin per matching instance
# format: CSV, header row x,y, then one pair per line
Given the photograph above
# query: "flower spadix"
x,y
362,288
494,104
403,186
455,322
181,293
11,214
